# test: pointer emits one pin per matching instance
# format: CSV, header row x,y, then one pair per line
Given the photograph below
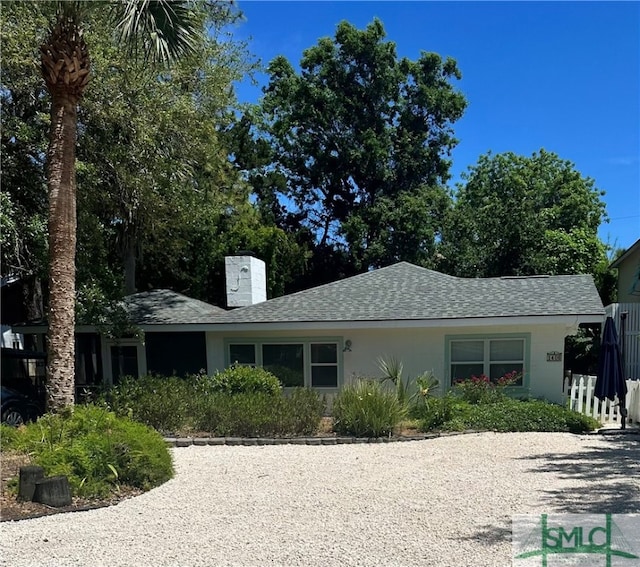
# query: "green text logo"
x,y
576,535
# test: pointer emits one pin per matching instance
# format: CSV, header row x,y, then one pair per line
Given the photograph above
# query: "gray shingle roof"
x,y
163,306
407,292
399,292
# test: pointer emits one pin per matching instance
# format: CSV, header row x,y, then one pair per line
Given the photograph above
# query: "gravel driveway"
x,y
445,501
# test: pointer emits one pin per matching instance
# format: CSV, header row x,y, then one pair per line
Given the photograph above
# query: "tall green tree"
x,y
152,159
194,264
517,215
159,204
161,30
24,102
361,139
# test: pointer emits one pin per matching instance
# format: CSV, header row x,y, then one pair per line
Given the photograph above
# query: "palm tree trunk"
x,y
66,70
62,250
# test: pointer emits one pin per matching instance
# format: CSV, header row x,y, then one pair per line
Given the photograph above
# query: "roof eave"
x,y
567,320
628,252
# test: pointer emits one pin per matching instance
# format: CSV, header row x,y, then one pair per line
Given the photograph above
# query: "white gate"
x,y
583,400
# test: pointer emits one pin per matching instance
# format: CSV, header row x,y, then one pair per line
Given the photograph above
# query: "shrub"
x,y
365,409
8,434
481,390
159,402
436,413
240,401
96,450
306,411
242,415
243,379
532,415
515,415
392,370
427,385
260,414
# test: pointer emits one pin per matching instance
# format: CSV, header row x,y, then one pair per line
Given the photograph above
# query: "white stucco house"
x,y
327,336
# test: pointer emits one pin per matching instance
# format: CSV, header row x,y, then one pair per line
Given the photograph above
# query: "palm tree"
x,y
161,31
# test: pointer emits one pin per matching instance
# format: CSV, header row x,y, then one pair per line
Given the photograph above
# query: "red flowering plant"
x,y
481,390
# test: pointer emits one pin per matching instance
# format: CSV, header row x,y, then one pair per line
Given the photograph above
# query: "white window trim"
x,y
306,343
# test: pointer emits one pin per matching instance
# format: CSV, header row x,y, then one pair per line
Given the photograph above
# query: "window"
x,y
176,354
286,362
493,357
506,356
295,363
244,355
324,365
467,359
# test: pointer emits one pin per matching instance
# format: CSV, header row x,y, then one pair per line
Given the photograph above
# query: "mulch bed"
x,y
12,509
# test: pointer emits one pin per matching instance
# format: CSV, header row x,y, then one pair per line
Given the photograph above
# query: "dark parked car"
x,y
22,377
18,408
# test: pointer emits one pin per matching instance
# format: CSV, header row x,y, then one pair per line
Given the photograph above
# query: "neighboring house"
x,y
326,336
628,266
626,313
173,342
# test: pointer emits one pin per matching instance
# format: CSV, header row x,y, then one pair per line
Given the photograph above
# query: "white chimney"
x,y
246,281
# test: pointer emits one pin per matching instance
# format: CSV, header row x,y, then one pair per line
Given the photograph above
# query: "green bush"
x,y
365,409
239,401
259,414
426,384
532,415
435,413
159,402
425,401
238,415
306,411
8,434
96,450
481,390
512,415
242,379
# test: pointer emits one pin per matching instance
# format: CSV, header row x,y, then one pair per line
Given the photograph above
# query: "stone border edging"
x,y
261,441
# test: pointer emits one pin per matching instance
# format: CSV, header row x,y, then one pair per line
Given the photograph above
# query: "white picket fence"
x,y
583,400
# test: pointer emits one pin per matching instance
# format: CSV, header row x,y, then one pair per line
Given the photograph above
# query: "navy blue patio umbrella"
x,y
610,382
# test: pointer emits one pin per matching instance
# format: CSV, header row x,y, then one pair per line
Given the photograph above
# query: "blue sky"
x,y
563,76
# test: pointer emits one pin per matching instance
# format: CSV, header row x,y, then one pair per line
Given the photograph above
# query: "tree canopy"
x,y
517,215
25,120
355,147
343,166
159,204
